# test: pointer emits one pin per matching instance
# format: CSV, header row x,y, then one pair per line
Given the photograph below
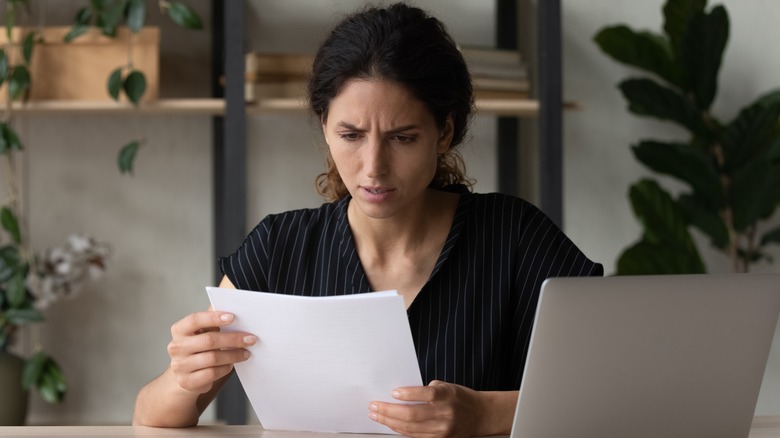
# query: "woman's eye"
x,y
349,136
404,138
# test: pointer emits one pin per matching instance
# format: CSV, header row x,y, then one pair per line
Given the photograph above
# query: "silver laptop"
x,y
648,356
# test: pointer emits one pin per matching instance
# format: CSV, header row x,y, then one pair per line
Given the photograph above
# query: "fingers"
x,y
201,321
186,345
439,409
435,391
201,354
411,420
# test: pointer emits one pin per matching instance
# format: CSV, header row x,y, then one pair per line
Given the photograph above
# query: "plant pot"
x,y
79,70
13,398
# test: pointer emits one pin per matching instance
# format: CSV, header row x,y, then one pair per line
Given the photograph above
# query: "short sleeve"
x,y
247,267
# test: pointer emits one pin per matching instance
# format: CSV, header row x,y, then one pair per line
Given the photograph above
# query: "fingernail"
x,y
249,340
396,394
247,354
226,317
372,416
373,407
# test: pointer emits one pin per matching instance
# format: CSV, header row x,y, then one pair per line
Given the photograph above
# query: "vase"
x,y
13,398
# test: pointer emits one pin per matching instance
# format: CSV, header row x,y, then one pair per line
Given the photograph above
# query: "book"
x,y
278,65
496,69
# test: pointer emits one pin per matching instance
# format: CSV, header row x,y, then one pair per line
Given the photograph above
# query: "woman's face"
x,y
385,144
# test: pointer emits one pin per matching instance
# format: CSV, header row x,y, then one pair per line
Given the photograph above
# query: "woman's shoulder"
x,y
324,215
499,206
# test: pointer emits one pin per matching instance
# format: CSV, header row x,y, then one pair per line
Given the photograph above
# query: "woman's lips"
x,y
377,194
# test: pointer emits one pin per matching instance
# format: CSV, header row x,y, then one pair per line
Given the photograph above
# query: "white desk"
x,y
763,427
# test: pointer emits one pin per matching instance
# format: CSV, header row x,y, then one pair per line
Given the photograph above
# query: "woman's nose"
x,y
375,160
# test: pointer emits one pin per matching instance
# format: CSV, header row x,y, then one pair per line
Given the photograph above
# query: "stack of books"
x,y
276,75
496,73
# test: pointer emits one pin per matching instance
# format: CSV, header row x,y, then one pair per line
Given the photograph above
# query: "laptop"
x,y
648,356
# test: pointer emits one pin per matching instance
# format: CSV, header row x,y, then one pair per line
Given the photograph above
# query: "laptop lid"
x,y
648,356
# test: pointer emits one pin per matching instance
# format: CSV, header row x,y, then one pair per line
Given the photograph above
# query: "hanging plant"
x,y
107,16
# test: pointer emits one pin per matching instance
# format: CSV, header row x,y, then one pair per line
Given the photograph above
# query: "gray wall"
x,y
112,338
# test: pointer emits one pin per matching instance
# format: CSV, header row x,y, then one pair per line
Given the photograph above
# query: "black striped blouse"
x,y
472,321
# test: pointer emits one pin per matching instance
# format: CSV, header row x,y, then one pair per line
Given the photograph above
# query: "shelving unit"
x,y
229,133
216,107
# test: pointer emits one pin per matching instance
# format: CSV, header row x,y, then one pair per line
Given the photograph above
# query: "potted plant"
x,y
29,282
730,170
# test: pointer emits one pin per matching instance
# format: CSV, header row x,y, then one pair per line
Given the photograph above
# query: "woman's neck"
x,y
407,233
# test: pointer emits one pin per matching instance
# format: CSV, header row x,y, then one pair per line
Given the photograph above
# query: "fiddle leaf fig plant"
x,y
107,16
730,170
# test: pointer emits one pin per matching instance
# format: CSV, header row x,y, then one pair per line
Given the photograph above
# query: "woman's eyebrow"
x,y
351,127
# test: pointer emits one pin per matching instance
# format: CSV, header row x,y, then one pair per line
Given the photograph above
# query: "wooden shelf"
x,y
108,107
512,107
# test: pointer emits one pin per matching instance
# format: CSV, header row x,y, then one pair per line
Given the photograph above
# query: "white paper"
x,y
319,361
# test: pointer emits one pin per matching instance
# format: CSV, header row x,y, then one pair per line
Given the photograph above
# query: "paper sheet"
x,y
319,361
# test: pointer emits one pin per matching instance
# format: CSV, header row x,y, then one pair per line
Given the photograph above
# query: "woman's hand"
x,y
201,354
445,410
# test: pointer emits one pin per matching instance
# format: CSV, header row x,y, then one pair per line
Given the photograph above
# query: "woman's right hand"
x,y
201,354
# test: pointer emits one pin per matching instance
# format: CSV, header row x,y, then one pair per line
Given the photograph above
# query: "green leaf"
x,y
755,192
27,47
76,31
10,224
109,17
52,387
135,86
769,99
648,98
750,134
16,291
136,14
772,236
83,16
702,52
23,316
126,156
45,373
182,15
8,139
115,83
774,152
663,220
9,262
19,82
645,258
769,197
677,15
33,370
9,24
3,66
644,50
700,215
686,163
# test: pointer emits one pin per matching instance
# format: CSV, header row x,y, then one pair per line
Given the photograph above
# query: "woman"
x,y
394,99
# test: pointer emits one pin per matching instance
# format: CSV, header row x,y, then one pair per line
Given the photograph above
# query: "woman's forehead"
x,y
363,101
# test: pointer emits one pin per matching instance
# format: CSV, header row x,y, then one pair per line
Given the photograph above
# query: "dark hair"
x,y
403,44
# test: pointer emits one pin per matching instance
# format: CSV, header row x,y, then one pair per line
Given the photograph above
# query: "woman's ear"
x,y
445,137
323,125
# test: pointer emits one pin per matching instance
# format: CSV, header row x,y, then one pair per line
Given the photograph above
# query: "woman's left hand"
x,y
442,410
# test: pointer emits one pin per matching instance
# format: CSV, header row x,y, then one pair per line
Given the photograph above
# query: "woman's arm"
x,y
448,410
202,359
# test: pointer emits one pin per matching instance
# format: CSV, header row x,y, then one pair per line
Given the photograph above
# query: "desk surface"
x,y
763,427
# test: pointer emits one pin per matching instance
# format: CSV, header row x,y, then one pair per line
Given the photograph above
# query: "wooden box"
x,y
79,70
